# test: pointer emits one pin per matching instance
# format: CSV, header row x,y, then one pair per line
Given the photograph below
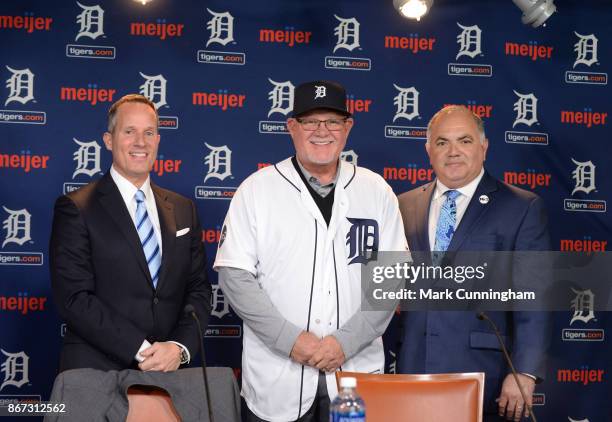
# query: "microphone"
x,y
190,310
484,317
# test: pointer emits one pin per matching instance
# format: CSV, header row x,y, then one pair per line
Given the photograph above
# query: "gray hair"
x,y
453,108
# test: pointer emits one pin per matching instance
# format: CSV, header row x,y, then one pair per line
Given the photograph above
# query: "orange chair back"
x,y
420,398
150,404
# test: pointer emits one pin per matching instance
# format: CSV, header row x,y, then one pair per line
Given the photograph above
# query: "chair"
x,y
420,398
150,404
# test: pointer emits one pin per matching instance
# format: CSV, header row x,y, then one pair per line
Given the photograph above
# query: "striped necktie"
x,y
144,226
446,225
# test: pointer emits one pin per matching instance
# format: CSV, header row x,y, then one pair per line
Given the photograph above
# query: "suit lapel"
x,y
167,222
474,211
111,200
422,216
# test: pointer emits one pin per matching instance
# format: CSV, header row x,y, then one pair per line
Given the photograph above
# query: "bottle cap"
x,y
348,382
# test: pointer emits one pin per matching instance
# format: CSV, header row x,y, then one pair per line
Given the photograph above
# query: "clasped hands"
x,y
161,356
325,354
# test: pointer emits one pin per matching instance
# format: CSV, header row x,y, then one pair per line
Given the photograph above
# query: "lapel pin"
x,y
484,199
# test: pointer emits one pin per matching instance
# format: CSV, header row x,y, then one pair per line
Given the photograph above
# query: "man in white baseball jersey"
x,y
289,261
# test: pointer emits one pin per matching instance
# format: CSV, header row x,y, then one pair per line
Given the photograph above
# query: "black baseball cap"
x,y
319,95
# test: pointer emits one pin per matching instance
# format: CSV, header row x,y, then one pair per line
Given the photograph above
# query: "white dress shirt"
x,y
462,202
127,191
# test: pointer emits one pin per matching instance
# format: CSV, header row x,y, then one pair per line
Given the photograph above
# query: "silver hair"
x,y
452,108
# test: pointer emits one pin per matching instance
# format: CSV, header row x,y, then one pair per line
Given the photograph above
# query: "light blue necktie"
x,y
144,226
446,225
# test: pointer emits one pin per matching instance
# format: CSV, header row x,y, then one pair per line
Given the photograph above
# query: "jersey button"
x,y
318,321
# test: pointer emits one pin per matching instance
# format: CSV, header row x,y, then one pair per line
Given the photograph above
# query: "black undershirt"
x,y
326,203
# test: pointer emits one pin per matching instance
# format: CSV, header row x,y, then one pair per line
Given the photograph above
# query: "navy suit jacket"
x,y
101,283
456,341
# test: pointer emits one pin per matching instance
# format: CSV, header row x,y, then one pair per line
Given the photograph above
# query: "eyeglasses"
x,y
333,125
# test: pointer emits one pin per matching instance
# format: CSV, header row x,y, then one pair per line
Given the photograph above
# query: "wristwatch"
x,y
184,356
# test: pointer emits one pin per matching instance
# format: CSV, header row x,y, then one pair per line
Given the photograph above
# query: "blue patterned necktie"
x,y
446,225
144,226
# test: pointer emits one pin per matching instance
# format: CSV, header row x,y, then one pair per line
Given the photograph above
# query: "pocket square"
x,y
182,231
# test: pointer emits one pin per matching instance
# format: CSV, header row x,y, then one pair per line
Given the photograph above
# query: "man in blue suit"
x,y
466,209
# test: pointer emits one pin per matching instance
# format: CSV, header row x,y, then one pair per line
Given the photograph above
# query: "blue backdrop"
x,y
222,74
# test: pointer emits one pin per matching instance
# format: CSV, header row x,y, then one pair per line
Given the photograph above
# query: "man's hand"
x,y
329,356
164,356
304,347
510,401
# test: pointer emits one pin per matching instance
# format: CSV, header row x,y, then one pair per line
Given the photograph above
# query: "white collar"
x,y
127,189
467,190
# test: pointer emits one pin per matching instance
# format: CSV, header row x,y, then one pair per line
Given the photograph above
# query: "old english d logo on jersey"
x,y
362,239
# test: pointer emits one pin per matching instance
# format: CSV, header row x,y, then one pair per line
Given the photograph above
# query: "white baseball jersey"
x,y
310,271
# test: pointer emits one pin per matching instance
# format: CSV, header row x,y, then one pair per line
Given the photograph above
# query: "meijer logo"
x,y
289,36
587,117
159,29
25,161
586,244
355,105
531,50
221,99
529,178
23,303
583,376
28,22
412,43
411,173
92,94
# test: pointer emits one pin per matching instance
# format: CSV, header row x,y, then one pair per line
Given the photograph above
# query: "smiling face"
x,y
133,141
455,150
318,150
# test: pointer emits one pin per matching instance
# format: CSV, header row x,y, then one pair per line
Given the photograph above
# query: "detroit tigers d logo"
x,y
362,239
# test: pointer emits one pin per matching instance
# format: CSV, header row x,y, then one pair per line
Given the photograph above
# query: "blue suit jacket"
x,y
456,341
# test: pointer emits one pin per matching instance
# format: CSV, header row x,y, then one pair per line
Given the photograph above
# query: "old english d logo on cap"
x,y
327,95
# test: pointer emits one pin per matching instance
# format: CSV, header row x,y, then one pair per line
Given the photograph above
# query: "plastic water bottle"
x,y
347,406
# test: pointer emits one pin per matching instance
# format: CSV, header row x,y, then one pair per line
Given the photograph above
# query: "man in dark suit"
x,y
126,257
465,209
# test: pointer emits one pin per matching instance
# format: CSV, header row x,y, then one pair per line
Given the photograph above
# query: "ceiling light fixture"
x,y
535,12
413,9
